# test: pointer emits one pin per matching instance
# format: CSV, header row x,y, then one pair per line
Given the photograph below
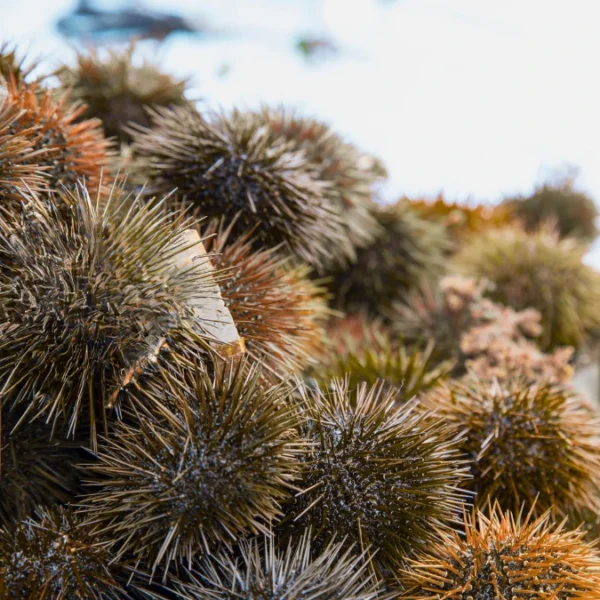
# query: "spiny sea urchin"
x,y
380,475
56,556
278,310
84,298
64,151
351,174
228,165
210,462
261,570
506,557
538,270
574,213
524,441
13,67
406,251
36,469
117,92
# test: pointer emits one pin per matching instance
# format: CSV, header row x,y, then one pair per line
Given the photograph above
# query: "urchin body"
x,y
209,463
229,166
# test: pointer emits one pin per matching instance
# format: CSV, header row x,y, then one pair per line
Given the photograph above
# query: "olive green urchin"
x,y
503,556
524,442
229,165
117,92
37,469
407,250
56,556
279,312
538,270
260,570
64,151
574,213
209,461
83,299
408,371
377,474
351,174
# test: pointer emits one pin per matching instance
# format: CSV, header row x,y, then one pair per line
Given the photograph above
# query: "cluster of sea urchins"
x,y
227,370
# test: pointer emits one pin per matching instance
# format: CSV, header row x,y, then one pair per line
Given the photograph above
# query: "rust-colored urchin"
x,y
209,460
538,270
118,92
351,174
279,312
65,151
229,165
574,213
84,297
260,569
524,442
13,67
37,469
56,556
377,474
506,557
407,250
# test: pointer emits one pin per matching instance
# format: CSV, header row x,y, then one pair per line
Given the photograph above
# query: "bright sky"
x,y
478,98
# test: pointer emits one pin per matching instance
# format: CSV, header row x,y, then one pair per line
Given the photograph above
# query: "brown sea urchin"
x,y
228,164
506,557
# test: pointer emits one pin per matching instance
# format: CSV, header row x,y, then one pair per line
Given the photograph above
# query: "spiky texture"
x,y
83,299
525,441
538,270
277,309
210,462
56,556
117,92
461,220
505,557
489,339
229,164
13,67
36,470
65,151
407,250
380,475
351,174
408,371
574,213
262,570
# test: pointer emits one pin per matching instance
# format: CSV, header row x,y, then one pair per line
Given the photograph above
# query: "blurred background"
x,y
478,100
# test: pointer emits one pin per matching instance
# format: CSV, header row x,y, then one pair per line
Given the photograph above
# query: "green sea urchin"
x,y
262,570
524,442
117,92
378,474
56,556
211,462
84,298
506,557
538,270
230,166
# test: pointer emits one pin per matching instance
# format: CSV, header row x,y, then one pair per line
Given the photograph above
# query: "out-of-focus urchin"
x,y
406,251
229,165
379,475
118,92
63,151
351,174
279,312
209,461
524,442
56,556
538,270
506,556
84,299
260,569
